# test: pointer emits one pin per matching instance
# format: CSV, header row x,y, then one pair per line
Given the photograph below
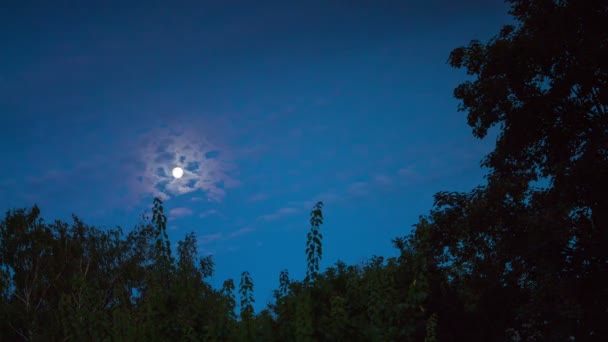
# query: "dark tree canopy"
x,y
544,83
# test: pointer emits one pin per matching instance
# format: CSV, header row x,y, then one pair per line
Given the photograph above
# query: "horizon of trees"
x,y
508,260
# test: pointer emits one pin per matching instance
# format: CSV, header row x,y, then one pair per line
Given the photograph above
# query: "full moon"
x,y
178,172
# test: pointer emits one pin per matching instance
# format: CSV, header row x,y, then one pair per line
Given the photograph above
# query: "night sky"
x,y
268,106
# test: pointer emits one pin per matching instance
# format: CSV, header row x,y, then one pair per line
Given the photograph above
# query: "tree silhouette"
x,y
544,82
314,245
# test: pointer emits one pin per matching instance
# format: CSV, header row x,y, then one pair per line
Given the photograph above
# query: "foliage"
x,y
246,291
314,247
545,84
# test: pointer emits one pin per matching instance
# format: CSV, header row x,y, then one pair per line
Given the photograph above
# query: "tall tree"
x,y
544,83
247,300
314,244
226,331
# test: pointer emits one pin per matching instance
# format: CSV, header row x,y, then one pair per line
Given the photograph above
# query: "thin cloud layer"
x,y
179,212
241,231
211,238
207,239
282,212
206,165
208,213
259,197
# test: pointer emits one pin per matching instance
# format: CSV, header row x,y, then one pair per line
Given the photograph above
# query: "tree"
x,y
189,290
544,83
246,292
283,308
228,319
24,258
314,245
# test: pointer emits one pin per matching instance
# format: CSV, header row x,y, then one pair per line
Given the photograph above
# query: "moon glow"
x,y
178,172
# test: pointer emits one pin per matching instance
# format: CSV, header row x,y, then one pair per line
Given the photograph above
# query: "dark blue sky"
x,y
269,106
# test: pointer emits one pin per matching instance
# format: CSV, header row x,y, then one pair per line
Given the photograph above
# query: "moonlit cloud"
x,y
282,212
383,180
259,197
206,165
233,248
208,213
358,188
207,239
179,212
241,231
212,238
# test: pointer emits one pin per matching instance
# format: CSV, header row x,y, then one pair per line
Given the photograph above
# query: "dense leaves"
x,y
522,257
545,83
314,245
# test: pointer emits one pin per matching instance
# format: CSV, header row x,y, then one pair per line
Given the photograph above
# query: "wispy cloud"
x,y
207,239
281,212
410,174
258,197
240,232
328,197
295,207
233,248
358,188
383,180
176,213
206,165
406,171
208,213
211,238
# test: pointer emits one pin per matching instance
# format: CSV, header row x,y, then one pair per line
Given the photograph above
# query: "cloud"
x,y
240,232
210,238
106,174
383,180
282,212
325,197
406,171
207,166
176,213
131,167
299,206
207,239
358,188
258,197
53,175
208,213
328,197
410,174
